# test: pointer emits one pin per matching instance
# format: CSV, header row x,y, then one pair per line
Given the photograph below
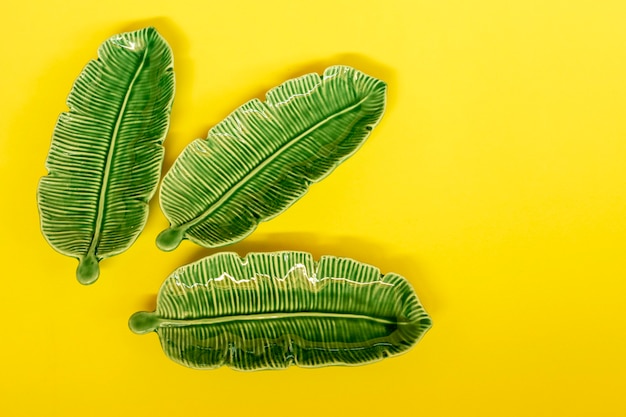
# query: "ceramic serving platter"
x,y
265,155
105,158
273,310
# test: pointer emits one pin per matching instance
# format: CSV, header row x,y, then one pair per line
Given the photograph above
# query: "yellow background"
x,y
495,183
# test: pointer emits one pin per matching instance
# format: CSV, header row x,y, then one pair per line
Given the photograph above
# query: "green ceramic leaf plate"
x,y
106,153
272,310
264,155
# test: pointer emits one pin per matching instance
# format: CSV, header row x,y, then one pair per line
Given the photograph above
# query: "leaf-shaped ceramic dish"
x,y
106,154
271,310
263,156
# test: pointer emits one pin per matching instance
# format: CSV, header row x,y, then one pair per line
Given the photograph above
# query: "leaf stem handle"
x,y
88,269
170,238
143,322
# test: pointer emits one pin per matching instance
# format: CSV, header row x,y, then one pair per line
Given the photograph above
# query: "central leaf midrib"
x,y
110,153
167,322
263,163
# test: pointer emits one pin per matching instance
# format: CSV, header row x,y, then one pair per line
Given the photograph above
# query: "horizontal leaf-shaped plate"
x,y
106,153
263,156
271,310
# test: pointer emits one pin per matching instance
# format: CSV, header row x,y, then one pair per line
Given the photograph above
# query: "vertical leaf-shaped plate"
x,y
271,310
264,155
106,153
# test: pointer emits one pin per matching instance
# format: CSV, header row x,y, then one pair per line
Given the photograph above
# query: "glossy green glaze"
x,y
263,156
271,310
106,153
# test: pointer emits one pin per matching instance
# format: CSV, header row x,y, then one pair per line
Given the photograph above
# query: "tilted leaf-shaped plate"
x,y
271,310
264,155
106,154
